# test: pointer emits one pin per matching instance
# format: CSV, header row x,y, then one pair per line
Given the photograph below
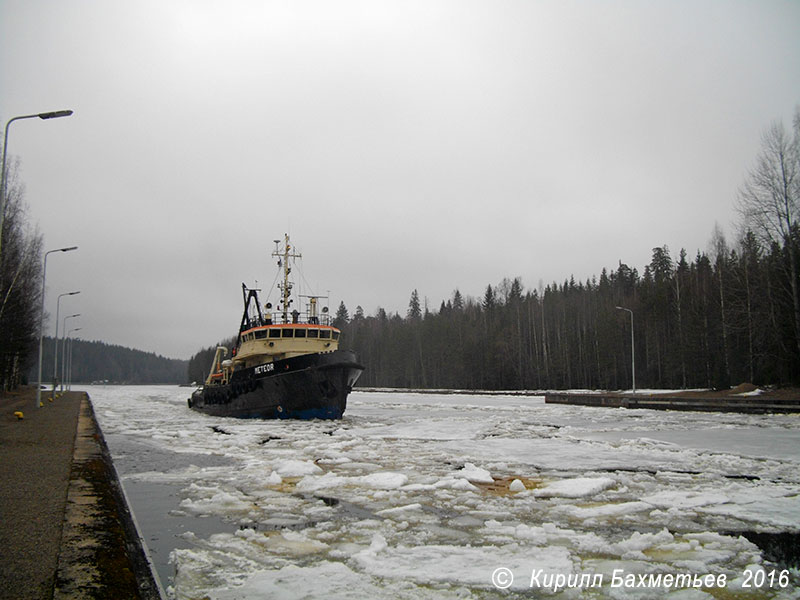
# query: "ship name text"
x,y
261,369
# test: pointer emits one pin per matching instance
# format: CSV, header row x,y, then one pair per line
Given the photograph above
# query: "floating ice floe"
x,y
296,468
684,499
374,481
273,479
516,486
217,502
577,487
456,565
474,474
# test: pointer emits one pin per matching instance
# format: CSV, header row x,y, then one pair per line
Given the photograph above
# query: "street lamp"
x,y
63,347
41,321
69,362
55,353
46,115
633,351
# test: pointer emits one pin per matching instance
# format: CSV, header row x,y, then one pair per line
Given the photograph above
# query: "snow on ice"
x,y
576,487
457,496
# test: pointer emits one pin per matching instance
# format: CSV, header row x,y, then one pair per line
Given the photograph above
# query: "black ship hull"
x,y
311,386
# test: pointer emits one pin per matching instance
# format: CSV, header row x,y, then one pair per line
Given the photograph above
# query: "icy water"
x,y
459,496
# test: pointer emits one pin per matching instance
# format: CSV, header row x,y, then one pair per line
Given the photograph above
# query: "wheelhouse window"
x,y
299,333
261,334
335,335
313,333
274,333
325,334
287,332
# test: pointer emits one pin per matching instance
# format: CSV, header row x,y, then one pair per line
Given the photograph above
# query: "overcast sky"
x,y
409,144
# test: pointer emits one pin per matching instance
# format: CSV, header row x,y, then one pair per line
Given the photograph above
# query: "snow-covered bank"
x,y
428,496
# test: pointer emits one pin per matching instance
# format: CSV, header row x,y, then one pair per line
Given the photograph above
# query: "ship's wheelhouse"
x,y
275,342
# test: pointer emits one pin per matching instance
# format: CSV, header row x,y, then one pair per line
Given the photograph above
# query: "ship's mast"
x,y
283,255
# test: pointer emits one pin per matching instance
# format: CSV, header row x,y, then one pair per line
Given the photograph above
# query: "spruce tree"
x,y
342,316
414,308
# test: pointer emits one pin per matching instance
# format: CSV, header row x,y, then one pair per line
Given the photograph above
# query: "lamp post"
x,y
45,116
55,353
41,322
69,362
633,351
63,348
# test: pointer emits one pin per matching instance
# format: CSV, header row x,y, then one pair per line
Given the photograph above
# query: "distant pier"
x,y
682,401
707,401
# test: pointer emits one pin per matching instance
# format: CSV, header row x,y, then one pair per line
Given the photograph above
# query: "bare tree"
x,y
769,199
20,273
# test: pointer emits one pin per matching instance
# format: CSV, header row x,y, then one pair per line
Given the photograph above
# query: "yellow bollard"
x,y
19,415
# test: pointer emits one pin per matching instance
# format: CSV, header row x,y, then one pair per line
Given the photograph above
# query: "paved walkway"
x,y
35,462
61,512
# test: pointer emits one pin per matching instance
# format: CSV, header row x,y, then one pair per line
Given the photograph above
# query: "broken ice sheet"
x,y
408,495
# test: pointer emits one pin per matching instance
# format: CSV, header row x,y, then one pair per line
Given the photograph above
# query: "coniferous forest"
x,y
108,363
711,320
